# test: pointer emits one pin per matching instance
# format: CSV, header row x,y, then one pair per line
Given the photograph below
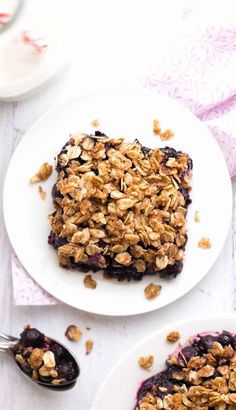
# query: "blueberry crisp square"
x,y
120,207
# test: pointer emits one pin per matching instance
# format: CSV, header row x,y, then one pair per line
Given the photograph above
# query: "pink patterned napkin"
x,y
198,69
25,290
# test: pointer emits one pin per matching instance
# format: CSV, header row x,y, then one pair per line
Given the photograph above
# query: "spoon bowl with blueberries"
x,y
42,359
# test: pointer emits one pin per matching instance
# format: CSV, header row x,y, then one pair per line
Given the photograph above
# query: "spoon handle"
x,y
7,342
7,337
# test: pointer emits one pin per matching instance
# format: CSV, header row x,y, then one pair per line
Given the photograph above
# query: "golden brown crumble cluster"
x,y
202,382
120,206
43,173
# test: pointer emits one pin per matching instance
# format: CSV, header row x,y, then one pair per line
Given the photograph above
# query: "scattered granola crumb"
x,y
196,217
26,327
89,282
73,333
166,135
156,127
88,346
204,243
146,362
42,193
43,173
152,291
95,123
173,337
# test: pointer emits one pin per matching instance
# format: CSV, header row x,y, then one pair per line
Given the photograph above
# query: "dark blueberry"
x,y
100,134
162,379
188,352
95,259
145,150
101,243
31,337
205,343
56,193
47,346
169,153
119,272
107,146
171,271
55,240
225,338
66,370
186,195
58,350
190,164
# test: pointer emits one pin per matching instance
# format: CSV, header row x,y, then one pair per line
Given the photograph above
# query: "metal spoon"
x,y
9,344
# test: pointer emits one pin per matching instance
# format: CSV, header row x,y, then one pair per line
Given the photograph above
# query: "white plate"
x,y
128,114
127,376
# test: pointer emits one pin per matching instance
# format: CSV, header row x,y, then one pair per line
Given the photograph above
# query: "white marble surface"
x,y
112,48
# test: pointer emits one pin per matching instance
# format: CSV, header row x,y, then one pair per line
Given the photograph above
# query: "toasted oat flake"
x,y
42,193
204,243
166,135
43,173
156,127
196,217
49,359
73,333
152,291
173,337
58,381
95,122
89,282
88,346
36,358
146,362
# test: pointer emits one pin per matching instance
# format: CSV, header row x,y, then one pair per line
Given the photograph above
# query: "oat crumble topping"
x,y
152,291
204,243
43,173
146,362
120,207
200,376
173,337
73,333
